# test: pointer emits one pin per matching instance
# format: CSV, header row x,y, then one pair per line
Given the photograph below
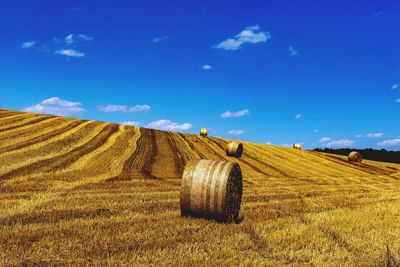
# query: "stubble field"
x,y
84,192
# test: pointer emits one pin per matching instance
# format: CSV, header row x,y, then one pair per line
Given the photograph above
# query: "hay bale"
x,y
355,156
203,131
211,189
234,149
297,146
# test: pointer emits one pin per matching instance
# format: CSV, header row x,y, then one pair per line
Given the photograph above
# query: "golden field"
x,y
75,192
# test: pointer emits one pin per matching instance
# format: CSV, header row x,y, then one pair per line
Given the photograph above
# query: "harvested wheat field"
x,y
81,192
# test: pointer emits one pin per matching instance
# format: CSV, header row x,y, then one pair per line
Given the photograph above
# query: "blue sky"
x,y
321,74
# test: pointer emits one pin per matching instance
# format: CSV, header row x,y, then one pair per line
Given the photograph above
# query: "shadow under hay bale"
x,y
234,149
203,131
212,189
355,156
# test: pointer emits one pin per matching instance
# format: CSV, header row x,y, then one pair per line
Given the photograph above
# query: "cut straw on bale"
x,y
203,131
355,157
211,189
234,149
297,146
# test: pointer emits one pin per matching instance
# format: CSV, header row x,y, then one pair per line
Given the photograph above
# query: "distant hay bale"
x,y
203,131
297,146
234,149
355,156
211,189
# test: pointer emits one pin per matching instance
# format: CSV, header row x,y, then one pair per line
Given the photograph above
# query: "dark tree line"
x,y
369,153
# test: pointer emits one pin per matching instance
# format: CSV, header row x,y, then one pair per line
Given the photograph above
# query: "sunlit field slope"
x,y
85,192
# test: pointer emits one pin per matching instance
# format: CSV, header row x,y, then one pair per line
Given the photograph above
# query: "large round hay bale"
x,y
355,156
297,146
234,149
211,189
203,131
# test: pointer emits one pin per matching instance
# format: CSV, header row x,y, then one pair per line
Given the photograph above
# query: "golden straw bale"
x,y
297,146
234,149
211,189
355,156
203,131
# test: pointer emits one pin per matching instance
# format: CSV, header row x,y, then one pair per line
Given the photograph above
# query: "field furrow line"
x,y
58,145
141,161
64,160
184,150
293,162
276,172
192,147
42,138
30,131
360,167
179,160
23,123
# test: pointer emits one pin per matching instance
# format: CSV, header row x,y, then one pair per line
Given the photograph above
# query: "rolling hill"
x,y
79,192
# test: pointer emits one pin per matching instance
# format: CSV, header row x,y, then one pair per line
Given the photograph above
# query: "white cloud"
x,y
160,39
340,143
251,35
236,132
298,116
325,140
140,108
131,123
374,135
169,125
28,44
237,114
85,37
206,67
124,108
56,106
69,53
292,51
71,38
390,142
395,86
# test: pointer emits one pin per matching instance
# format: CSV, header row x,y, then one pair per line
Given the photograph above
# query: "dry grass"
x,y
80,193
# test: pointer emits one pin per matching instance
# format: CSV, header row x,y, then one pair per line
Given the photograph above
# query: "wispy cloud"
x,y
292,52
390,142
395,86
340,143
56,106
206,67
169,125
325,140
72,38
383,13
131,123
69,53
67,45
124,108
250,35
236,132
236,114
298,116
28,44
374,135
398,100
160,39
